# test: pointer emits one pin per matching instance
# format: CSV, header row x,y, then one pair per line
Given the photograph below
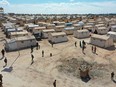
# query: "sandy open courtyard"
x,y
20,73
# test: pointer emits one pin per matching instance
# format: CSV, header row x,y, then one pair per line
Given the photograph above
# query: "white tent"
x,y
18,34
58,37
101,41
82,33
50,26
47,32
113,28
20,43
59,28
69,30
112,35
102,30
38,29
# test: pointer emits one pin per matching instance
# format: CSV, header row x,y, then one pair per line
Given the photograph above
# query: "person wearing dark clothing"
x,y
5,61
37,46
1,80
95,49
54,83
3,52
83,42
83,49
42,53
112,75
32,56
92,48
75,44
31,49
80,44
50,54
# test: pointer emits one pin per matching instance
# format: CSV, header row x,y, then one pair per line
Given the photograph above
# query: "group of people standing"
x,y
83,46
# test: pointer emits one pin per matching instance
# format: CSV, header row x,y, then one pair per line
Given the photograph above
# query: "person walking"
x,y
1,78
80,44
32,56
54,83
75,44
37,46
92,49
50,54
42,53
5,61
83,42
83,49
31,49
95,49
3,52
112,75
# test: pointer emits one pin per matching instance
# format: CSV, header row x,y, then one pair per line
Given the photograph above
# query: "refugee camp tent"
x,y
82,33
59,28
112,35
18,34
69,30
113,28
102,30
47,32
20,43
57,37
101,41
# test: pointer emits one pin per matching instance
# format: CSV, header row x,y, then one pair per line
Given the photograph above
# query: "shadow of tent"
x,y
111,48
85,79
9,69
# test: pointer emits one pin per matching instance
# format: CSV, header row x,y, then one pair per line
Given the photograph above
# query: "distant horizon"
x,y
59,6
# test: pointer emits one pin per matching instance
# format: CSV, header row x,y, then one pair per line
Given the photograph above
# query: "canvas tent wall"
x,y
77,26
18,34
113,28
6,26
47,32
88,27
30,27
38,29
50,26
101,41
69,30
20,43
70,24
59,28
102,30
82,34
112,35
8,31
57,37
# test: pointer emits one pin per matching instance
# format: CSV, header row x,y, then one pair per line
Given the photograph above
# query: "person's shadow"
x,y
9,69
113,80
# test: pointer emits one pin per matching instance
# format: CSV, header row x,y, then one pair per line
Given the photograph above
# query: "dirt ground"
x,y
20,73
